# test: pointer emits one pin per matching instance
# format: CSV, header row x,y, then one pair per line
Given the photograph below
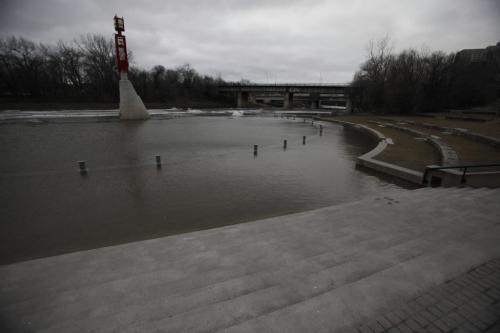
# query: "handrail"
x,y
465,167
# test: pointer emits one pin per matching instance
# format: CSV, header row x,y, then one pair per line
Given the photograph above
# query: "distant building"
x,y
471,55
481,69
478,55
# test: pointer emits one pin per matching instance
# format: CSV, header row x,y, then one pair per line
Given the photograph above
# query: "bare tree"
x,y
85,69
21,65
99,64
372,75
423,81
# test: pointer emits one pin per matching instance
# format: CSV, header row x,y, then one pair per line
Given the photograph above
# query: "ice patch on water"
x,y
69,114
194,111
18,114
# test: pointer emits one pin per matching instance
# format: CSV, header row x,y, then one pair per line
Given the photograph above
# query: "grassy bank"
x,y
408,152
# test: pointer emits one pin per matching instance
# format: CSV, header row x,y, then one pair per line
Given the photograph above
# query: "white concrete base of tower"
x,y
131,105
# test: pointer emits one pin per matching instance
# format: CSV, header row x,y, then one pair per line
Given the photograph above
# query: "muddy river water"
x,y
209,177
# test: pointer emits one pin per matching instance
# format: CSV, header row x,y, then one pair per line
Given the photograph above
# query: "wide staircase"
x,y
331,269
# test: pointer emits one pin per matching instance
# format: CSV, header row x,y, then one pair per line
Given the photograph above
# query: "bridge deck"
x,y
293,88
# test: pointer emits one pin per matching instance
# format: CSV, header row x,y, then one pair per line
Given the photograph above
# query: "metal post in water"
x,y
293,117
284,144
82,166
158,161
320,130
255,149
304,140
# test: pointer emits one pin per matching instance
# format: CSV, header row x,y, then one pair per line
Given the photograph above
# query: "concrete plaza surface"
x,y
329,270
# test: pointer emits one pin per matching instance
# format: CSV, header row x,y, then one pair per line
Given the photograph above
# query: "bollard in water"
x,y
158,161
293,117
284,144
82,166
304,140
255,149
320,130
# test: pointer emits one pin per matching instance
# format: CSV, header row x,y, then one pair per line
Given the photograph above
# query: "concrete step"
x,y
317,283
171,253
180,290
315,286
238,276
342,307
202,258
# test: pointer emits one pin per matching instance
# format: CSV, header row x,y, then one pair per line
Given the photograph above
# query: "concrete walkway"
x,y
326,270
465,304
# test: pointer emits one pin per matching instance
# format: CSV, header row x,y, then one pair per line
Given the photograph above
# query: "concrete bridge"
x,y
316,93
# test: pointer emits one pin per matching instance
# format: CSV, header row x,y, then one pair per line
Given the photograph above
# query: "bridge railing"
x,y
236,84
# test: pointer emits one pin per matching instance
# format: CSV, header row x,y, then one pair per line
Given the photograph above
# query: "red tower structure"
x,y
121,46
131,105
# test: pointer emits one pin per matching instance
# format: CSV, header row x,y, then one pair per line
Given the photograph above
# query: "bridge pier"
x,y
348,105
242,99
315,101
288,101
315,104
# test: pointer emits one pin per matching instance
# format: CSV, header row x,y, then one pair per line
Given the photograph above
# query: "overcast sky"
x,y
261,40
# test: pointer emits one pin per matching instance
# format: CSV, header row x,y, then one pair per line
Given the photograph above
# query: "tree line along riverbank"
x,y
83,72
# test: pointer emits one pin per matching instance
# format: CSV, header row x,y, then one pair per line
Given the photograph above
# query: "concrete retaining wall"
x,y
495,142
449,178
447,154
478,137
367,160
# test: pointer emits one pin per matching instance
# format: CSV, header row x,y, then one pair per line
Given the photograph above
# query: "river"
x,y
209,178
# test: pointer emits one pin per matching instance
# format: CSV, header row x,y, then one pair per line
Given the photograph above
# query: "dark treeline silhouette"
x,y
84,70
421,81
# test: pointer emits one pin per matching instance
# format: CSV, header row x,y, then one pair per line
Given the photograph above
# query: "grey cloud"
x,y
261,40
